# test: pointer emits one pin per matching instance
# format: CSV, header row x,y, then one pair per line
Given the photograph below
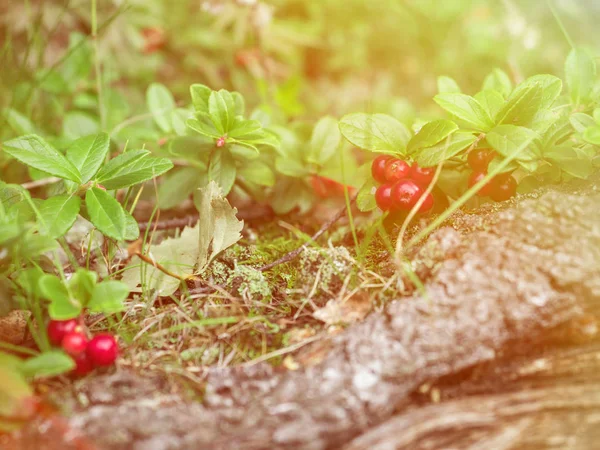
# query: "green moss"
x,y
331,265
245,280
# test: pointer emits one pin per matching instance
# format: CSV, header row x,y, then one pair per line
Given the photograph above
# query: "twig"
x,y
166,271
40,183
295,253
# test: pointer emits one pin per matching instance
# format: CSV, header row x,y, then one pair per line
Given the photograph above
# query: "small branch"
x,y
166,271
295,253
39,183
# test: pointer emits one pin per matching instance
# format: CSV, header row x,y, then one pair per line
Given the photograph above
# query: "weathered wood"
x,y
489,292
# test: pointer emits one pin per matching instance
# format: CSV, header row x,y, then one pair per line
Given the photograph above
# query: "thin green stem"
x,y
560,23
97,66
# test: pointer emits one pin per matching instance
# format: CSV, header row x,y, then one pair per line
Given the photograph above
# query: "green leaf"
x,y
498,81
507,139
219,227
291,167
581,121
573,163
79,63
77,124
242,128
467,109
63,305
257,172
37,153
132,229
292,194
447,85
365,201
430,134
18,122
375,132
432,156
221,108
47,364
58,214
106,213
108,297
160,103
177,185
240,104
200,95
88,153
136,170
178,120
491,101
580,70
324,141
204,126
81,285
222,170
592,135
114,167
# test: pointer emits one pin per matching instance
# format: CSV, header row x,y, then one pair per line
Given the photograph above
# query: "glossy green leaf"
x,y
58,214
81,285
509,139
222,170
200,95
498,81
375,132
446,149
365,201
106,213
492,101
37,153
467,109
570,161
580,71
136,171
63,305
47,364
177,185
324,141
447,85
160,103
257,172
88,153
77,124
108,297
592,135
430,134
204,126
581,121
221,108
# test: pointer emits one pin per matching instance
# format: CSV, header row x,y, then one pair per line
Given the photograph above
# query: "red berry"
x,y
103,350
422,175
405,194
504,186
427,204
74,343
383,197
396,170
475,178
479,159
83,365
57,329
378,168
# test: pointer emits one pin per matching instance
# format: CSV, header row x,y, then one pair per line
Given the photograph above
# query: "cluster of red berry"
x,y
501,187
100,351
402,185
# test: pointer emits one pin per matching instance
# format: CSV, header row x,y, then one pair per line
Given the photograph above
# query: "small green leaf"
x,y
498,81
430,134
160,103
132,229
592,135
291,167
569,160
447,85
177,185
375,132
114,167
37,153
467,109
324,141
18,122
257,172
446,149
204,126
491,101
221,108
365,201
580,69
106,213
88,153
77,124
63,305
200,95
240,104
508,139
581,121
47,364
108,297
136,171
81,285
222,170
58,214
242,128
